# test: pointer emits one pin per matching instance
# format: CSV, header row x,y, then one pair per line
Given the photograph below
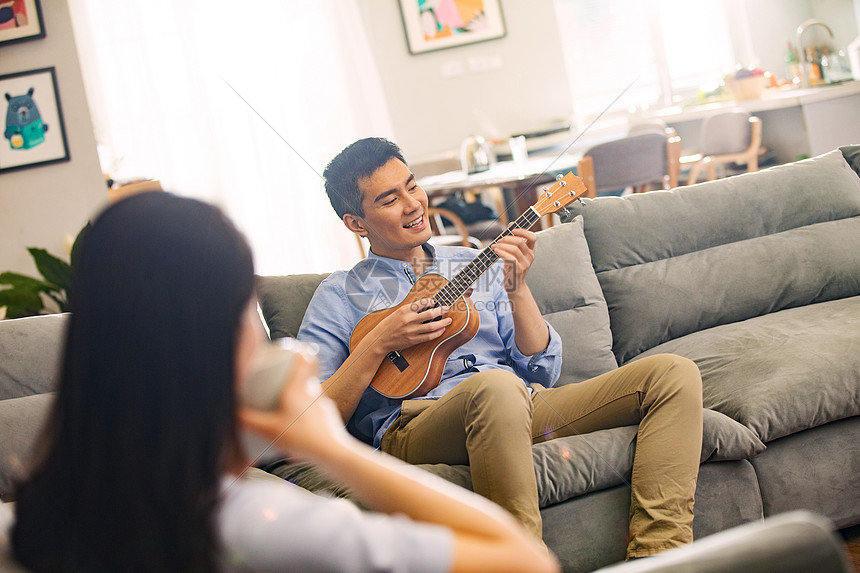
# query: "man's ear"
x,y
355,224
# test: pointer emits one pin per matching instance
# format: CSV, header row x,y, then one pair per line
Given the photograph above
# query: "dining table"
x,y
521,181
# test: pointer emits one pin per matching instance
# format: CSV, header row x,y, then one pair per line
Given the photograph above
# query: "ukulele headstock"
x,y
563,192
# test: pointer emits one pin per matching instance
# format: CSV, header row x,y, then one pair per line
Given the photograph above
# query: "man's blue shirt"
x,y
377,283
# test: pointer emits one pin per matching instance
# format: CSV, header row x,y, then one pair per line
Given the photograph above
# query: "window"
x,y
665,48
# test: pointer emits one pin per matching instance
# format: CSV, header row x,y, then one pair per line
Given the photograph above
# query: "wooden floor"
x,y
852,545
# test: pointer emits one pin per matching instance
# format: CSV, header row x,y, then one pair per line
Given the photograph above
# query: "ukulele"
x,y
416,370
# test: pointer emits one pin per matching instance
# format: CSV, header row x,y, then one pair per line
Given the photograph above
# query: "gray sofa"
x,y
756,278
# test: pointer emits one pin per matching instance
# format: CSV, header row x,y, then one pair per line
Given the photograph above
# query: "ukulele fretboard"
x,y
464,279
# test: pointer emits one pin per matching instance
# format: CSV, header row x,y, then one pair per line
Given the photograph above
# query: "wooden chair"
x,y
731,137
636,161
129,189
444,234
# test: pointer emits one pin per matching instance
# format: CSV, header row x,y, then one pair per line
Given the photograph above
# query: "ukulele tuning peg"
x,y
581,202
564,212
559,177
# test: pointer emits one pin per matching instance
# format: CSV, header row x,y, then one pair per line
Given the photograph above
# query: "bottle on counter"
x,y
792,66
814,69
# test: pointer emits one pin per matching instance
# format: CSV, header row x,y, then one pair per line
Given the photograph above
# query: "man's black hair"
x,y
357,161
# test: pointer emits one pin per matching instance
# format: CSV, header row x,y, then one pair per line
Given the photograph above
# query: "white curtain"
x,y
238,103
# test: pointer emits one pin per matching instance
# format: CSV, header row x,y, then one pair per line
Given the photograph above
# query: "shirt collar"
x,y
397,263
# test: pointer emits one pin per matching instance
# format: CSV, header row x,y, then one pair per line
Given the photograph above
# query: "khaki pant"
x,y
490,422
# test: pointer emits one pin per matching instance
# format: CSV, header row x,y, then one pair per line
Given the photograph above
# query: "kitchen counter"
x,y
772,98
795,122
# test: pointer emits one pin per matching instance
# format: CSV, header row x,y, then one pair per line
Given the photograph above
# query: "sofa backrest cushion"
x,y
283,301
852,156
568,294
675,262
31,349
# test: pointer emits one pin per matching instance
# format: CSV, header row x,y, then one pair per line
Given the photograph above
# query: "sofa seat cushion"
x,y
30,349
783,372
572,466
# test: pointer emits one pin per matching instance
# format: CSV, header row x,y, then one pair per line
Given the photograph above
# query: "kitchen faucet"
x,y
805,65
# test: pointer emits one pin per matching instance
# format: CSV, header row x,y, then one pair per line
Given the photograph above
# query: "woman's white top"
x,y
270,525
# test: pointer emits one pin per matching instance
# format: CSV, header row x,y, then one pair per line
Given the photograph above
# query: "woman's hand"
x,y
518,252
305,424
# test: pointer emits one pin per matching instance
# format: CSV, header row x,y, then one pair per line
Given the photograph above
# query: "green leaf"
x,y
61,300
20,303
56,271
26,283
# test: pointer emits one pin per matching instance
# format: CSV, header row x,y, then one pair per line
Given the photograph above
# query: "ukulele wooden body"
x,y
416,370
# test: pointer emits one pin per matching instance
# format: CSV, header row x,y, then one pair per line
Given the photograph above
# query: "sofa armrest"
x,y
21,421
798,541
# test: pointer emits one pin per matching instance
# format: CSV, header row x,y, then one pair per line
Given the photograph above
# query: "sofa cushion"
x,y
21,421
30,349
852,156
572,466
683,260
783,372
284,299
669,298
568,294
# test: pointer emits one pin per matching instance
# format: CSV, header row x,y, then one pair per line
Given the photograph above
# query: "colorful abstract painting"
x,y
20,20
438,24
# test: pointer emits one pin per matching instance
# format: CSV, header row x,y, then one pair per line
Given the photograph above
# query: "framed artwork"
x,y
33,130
20,20
439,24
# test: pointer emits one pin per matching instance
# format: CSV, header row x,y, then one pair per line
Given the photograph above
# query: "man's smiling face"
x,y
395,211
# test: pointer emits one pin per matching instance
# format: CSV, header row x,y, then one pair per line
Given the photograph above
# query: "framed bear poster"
x,y
33,130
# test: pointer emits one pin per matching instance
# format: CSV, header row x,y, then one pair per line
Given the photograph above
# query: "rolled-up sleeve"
x,y
543,367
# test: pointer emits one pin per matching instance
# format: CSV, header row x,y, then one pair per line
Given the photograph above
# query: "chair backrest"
x,y
724,133
444,234
631,161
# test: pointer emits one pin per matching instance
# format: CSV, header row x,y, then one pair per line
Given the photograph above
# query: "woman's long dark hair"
x,y
144,422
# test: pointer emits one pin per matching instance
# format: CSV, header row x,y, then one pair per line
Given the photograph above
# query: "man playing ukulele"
x,y
495,399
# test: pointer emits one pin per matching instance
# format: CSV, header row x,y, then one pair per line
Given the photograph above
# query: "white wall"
x,y
431,113
40,205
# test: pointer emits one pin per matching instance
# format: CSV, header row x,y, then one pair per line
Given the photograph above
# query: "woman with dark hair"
x,y
141,454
